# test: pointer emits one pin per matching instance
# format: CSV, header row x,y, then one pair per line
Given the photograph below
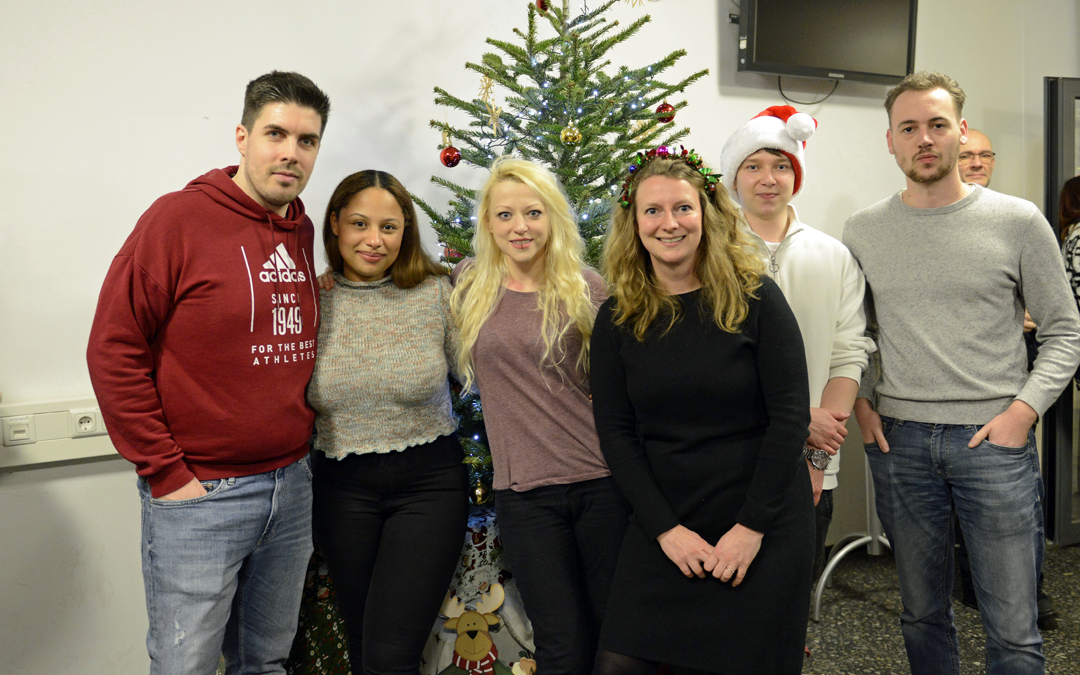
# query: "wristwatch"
x,y
819,459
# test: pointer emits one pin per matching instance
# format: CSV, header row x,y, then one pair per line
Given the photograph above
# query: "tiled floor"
x,y
859,633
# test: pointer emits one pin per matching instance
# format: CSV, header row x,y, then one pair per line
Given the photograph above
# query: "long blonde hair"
x,y
726,267
562,289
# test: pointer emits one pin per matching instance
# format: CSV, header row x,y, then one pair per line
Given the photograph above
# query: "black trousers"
x,y
562,543
391,527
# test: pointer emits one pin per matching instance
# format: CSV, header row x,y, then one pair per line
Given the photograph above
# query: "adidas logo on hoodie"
x,y
280,267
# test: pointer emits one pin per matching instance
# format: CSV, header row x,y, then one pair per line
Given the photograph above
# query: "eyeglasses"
x,y
986,157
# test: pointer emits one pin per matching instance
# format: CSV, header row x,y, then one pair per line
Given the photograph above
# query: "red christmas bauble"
x,y
450,156
663,109
542,5
451,254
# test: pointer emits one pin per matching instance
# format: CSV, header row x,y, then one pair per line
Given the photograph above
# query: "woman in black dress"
x,y
701,402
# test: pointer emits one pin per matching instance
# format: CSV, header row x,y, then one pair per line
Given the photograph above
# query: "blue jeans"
x,y
224,572
997,493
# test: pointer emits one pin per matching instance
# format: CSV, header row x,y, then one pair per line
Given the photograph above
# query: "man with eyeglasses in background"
x,y
977,166
977,159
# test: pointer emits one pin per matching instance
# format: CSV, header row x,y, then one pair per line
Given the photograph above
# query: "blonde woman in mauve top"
x,y
525,307
390,490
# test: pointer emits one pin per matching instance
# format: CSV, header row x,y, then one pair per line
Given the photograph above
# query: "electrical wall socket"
x,y
85,422
59,430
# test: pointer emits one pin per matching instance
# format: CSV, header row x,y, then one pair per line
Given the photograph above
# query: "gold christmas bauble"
x,y
480,494
571,135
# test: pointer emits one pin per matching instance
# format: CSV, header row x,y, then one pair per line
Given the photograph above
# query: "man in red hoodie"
x,y
200,353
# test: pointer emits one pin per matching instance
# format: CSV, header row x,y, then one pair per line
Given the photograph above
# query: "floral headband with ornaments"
x,y
663,152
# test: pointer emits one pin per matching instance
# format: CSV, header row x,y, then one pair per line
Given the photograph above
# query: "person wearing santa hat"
x,y
764,165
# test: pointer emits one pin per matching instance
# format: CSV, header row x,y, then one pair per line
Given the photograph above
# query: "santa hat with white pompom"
x,y
781,128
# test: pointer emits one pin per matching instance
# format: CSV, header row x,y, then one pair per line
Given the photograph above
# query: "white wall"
x,y
71,595
108,105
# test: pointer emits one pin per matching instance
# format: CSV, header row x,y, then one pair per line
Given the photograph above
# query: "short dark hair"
x,y
282,87
925,81
413,264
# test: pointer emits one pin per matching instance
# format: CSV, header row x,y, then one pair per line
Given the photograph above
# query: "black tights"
x,y
610,663
391,527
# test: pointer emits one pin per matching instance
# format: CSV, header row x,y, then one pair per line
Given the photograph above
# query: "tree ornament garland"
x,y
570,135
663,109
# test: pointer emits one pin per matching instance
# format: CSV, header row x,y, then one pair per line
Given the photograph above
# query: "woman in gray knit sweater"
x,y
390,490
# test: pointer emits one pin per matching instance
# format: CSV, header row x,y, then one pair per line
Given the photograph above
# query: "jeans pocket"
x,y
306,461
888,426
213,488
1006,448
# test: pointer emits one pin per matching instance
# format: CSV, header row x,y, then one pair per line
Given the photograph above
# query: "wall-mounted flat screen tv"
x,y
862,40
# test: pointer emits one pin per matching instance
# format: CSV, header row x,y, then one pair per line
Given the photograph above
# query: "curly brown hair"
x,y
728,270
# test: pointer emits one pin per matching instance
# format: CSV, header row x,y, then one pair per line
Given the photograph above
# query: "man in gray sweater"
x,y
947,414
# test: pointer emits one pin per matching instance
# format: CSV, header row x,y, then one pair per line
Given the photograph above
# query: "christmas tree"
x,y
560,108
474,442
